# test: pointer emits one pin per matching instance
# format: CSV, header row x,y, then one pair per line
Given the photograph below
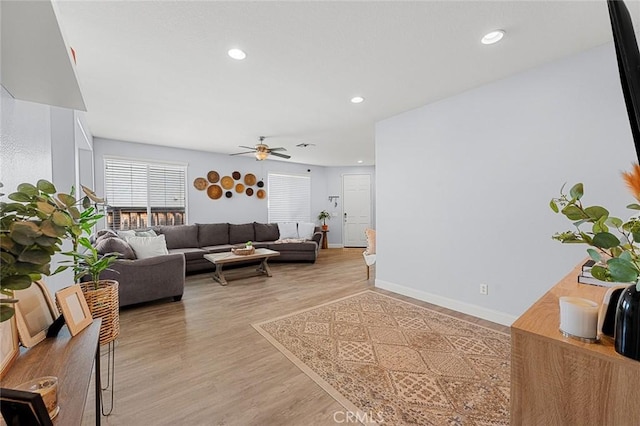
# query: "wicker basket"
x,y
103,303
243,250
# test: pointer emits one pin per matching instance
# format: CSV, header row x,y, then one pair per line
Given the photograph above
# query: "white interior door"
x,y
356,192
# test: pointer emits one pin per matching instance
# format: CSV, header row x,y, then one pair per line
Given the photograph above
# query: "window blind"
x,y
141,194
289,198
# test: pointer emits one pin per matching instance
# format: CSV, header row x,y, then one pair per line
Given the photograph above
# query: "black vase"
x,y
627,334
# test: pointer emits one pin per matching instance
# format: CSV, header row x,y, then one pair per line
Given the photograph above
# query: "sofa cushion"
x,y
305,246
241,233
179,236
266,231
288,230
190,253
212,234
146,247
305,230
106,245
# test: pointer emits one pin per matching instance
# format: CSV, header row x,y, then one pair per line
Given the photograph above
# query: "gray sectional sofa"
x,y
163,276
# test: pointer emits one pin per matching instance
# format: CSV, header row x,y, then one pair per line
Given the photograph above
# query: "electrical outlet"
x,y
484,289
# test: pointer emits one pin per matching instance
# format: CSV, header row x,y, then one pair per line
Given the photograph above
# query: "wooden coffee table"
x,y
227,258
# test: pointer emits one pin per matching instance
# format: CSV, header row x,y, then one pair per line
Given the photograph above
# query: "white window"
x,y
141,194
289,198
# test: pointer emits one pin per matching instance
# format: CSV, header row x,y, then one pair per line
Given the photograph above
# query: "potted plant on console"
x,y
30,234
323,216
101,295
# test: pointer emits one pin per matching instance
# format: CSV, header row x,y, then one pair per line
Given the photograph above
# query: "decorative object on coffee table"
x,y
47,387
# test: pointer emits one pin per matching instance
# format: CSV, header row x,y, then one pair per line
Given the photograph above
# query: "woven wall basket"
x,y
103,303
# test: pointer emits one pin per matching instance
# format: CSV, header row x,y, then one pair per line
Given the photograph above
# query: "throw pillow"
x,y
145,247
288,230
108,245
305,230
103,233
125,234
266,231
371,241
146,233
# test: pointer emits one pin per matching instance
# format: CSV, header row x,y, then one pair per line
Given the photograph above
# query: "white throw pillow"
x,y
305,230
288,230
126,234
145,247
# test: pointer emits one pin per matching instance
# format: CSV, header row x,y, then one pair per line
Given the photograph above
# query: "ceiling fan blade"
x,y
240,153
247,147
278,149
277,154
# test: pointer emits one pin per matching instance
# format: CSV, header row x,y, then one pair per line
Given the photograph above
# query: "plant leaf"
x,y
28,189
6,312
46,187
594,254
596,212
605,240
599,272
574,213
577,191
552,204
67,199
16,282
622,270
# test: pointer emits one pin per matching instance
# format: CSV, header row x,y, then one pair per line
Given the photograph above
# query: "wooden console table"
x,y
71,361
557,380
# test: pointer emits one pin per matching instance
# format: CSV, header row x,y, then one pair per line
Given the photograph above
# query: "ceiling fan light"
x,y
261,155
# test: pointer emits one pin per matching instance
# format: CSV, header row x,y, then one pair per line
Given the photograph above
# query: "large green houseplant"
x,y
33,225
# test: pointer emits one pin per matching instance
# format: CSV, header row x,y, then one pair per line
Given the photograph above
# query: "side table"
x,y
325,243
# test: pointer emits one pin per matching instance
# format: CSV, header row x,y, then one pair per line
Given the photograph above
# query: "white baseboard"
x,y
456,305
336,246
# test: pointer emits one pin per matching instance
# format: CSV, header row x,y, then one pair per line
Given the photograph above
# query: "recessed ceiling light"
x,y
360,161
237,54
493,37
357,99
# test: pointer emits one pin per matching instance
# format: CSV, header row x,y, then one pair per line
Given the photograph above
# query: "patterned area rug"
x,y
394,363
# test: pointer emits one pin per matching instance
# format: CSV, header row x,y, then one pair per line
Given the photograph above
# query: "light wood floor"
x,y
200,362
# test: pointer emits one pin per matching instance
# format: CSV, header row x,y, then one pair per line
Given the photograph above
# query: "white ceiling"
x,y
157,71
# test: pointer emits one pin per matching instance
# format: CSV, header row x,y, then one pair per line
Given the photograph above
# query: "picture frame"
x,y
74,308
35,312
9,343
23,408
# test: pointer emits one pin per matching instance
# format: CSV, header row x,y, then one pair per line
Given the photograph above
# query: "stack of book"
x,y
585,276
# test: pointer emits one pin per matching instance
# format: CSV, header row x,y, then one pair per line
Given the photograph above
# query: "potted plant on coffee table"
x,y
323,216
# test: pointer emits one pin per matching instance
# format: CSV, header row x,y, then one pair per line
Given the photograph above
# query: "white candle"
x,y
579,317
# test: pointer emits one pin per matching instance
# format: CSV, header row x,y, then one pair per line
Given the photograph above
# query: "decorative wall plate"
x,y
236,175
200,184
214,192
260,184
213,176
249,192
228,194
250,179
239,188
261,193
227,182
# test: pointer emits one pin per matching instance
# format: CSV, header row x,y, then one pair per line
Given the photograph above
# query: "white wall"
x,y
473,194
239,208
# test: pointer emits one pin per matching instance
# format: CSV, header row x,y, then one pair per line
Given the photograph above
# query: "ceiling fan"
x,y
262,151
